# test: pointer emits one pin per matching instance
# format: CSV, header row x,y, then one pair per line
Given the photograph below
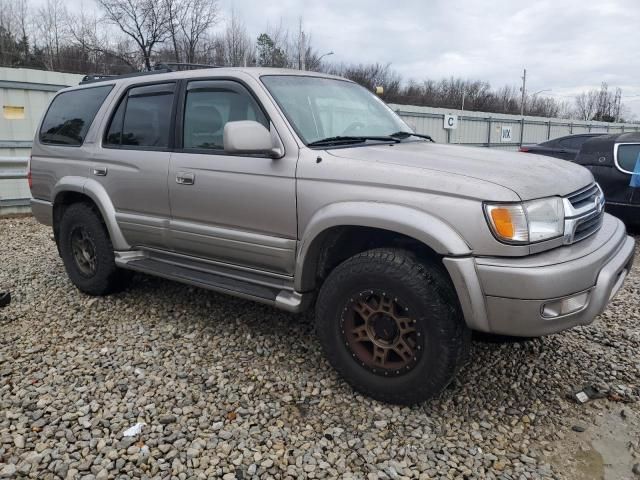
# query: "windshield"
x,y
320,108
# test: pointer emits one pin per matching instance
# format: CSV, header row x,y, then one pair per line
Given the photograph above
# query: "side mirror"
x,y
251,138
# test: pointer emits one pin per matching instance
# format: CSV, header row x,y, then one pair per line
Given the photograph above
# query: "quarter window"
x,y
143,118
69,117
209,106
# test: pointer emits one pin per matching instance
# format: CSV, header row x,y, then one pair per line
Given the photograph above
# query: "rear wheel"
x,y
391,326
87,253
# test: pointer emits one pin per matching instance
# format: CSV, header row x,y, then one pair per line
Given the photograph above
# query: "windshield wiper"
x,y
411,134
339,140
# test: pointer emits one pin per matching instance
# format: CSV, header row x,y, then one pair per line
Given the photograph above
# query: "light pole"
x,y
523,90
324,55
533,96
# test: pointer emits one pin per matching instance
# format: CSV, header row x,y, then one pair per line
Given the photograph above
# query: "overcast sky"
x,y
565,45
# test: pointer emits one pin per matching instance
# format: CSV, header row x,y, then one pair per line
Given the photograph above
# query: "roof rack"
x,y
179,67
157,68
104,78
94,77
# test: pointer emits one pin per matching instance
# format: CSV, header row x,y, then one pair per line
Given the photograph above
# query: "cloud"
x,y
566,45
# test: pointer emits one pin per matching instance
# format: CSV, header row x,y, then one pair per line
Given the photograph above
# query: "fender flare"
x,y
417,224
100,197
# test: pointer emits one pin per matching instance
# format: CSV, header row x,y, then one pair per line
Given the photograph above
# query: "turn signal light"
x,y
502,222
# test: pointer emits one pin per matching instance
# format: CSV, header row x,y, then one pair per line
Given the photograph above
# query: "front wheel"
x,y
391,326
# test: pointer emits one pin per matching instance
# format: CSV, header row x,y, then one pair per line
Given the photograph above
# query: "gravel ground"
x,y
232,389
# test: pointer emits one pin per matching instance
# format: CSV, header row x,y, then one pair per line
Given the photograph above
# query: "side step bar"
x,y
288,300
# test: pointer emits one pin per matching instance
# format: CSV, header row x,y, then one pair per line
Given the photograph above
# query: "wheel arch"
x,y
80,189
390,220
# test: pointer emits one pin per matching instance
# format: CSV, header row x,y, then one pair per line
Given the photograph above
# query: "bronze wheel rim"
x,y
381,334
84,251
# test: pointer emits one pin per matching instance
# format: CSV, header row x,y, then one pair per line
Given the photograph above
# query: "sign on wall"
x,y
450,122
506,134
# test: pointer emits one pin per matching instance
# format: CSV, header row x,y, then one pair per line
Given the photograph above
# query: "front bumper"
x,y
507,295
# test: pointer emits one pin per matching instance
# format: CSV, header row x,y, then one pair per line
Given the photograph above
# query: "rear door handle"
x,y
100,171
185,178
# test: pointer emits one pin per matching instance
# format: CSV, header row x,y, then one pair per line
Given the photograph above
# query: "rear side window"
x,y
70,115
573,142
143,118
628,157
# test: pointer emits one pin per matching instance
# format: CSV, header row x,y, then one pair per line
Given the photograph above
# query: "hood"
x,y
529,176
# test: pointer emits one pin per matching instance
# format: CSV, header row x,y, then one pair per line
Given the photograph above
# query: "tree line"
x,y
123,36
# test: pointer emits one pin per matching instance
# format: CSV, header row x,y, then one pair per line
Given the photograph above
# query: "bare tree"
x,y
237,43
175,18
599,104
146,22
9,34
50,25
199,17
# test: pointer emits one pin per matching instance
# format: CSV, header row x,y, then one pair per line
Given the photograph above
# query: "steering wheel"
x,y
353,128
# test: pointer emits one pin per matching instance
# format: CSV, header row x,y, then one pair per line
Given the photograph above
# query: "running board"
x,y
288,300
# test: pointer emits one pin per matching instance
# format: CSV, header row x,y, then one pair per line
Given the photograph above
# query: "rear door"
x,y
133,162
236,209
570,146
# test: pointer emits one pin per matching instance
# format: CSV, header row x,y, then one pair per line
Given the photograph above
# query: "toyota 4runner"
x,y
293,188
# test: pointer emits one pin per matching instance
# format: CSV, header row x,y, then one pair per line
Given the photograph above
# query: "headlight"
x,y
526,222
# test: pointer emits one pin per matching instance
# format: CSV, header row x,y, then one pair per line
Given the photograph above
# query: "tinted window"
x,y
573,142
629,157
115,129
70,115
209,106
143,118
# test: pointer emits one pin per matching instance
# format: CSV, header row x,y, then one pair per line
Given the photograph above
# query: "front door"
x,y
235,209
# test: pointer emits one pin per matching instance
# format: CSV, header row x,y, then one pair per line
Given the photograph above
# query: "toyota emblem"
x,y
598,204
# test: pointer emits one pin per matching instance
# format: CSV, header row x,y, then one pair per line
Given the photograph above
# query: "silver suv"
x,y
293,188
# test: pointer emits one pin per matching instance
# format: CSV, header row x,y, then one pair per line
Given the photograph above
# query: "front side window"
x,y
69,117
209,105
628,157
143,118
321,108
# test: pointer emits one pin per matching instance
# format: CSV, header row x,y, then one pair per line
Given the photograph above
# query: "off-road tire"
x,y
426,288
107,278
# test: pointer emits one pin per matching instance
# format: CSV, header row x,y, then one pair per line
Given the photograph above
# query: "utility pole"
x,y
524,92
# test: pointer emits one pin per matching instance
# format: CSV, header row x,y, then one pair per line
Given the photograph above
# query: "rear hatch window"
x,y
70,115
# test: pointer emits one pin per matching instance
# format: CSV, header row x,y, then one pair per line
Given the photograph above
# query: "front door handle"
x,y
185,178
100,171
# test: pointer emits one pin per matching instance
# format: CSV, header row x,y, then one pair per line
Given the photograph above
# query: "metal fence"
x,y
473,128
494,130
14,191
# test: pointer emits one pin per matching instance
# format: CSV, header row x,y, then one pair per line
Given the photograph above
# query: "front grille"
x,y
587,227
584,213
584,197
